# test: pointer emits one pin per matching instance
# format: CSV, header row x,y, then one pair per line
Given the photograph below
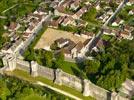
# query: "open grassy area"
x,y
25,76
69,67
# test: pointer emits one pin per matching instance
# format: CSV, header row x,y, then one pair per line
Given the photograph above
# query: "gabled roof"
x,y
79,46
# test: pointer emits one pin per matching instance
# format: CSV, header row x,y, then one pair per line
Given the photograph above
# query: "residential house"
x,y
59,11
56,23
131,12
99,46
13,48
78,50
117,22
130,2
87,35
108,32
26,35
86,44
126,35
68,20
68,48
62,42
80,12
13,26
75,4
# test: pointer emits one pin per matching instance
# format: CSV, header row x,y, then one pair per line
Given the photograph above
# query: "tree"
x,y
47,59
90,15
60,57
4,91
92,66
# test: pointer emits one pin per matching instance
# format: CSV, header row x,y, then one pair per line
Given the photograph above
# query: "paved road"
x,y
100,33
58,90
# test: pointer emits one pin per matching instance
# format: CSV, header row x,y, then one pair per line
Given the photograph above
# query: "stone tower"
x,y
34,68
86,91
9,61
58,74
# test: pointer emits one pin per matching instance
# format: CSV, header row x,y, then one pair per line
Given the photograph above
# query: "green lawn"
x,y
25,76
73,69
69,66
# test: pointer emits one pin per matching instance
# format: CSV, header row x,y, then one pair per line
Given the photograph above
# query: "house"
x,y
126,35
59,11
62,42
26,35
78,50
66,3
109,12
99,46
130,2
54,4
54,24
107,31
80,12
68,20
131,12
60,19
86,44
128,28
30,29
117,22
13,48
13,26
75,4
67,53
68,48
87,35
98,6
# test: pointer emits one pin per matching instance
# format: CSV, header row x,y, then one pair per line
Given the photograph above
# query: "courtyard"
x,y
50,35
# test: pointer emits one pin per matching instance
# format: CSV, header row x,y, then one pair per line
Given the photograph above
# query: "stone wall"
x,y
85,86
46,72
41,70
23,65
62,78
